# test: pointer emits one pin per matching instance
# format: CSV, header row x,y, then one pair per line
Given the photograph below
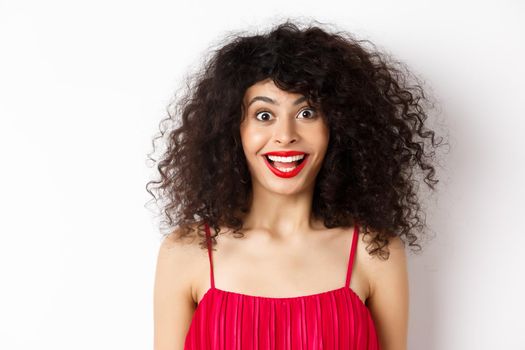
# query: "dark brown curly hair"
x,y
375,109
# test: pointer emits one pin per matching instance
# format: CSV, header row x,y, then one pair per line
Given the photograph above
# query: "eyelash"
x,y
306,109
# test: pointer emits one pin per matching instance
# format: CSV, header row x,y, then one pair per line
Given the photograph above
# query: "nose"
x,y
285,131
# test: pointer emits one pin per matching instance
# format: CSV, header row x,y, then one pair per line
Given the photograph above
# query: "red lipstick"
x,y
284,153
288,174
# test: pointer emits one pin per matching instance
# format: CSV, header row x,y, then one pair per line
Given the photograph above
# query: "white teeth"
x,y
286,170
286,159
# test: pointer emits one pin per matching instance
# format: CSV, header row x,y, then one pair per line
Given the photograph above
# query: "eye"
x,y
309,113
263,114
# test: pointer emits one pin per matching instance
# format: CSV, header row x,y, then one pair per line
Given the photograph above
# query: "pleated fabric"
x,y
335,319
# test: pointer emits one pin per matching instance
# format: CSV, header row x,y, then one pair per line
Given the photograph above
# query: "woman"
x,y
293,168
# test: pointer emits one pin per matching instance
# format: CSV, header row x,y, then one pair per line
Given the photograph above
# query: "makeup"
x,y
288,169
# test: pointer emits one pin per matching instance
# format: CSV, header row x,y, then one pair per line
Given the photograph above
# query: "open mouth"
x,y
286,164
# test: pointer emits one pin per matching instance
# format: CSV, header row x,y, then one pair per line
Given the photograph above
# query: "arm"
x,y
173,302
388,300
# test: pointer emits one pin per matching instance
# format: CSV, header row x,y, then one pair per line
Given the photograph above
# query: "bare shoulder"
x,y
377,266
184,258
389,298
390,273
173,290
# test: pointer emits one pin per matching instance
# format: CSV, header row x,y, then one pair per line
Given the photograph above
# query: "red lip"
x,y
285,153
289,174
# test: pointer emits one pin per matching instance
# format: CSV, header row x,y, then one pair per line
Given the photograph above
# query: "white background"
x,y
83,87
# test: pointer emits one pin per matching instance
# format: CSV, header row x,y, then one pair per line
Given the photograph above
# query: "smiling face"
x,y
280,121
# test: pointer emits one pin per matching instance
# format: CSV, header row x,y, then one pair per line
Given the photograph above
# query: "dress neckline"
x,y
278,298
284,299
353,248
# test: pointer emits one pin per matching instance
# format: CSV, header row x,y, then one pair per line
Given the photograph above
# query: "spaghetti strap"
x,y
352,254
208,242
333,319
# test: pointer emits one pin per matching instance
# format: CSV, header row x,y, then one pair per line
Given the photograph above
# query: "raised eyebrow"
x,y
272,101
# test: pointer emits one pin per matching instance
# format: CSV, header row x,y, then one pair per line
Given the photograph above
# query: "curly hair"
x,y
375,114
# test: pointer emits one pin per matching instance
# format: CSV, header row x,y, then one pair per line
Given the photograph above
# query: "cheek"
x,y
326,138
322,138
325,133
320,133
252,139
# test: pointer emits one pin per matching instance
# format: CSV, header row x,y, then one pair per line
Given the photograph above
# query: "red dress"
x,y
335,319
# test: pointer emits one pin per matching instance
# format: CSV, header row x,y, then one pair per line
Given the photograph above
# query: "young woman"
x,y
287,185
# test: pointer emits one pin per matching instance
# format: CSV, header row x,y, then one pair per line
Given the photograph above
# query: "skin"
x,y
282,125
289,250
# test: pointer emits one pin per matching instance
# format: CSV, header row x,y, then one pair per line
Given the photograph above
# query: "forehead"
x,y
267,88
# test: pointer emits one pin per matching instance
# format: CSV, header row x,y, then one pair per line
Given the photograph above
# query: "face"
x,y
278,121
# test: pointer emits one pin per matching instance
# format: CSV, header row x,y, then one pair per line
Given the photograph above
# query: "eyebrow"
x,y
269,100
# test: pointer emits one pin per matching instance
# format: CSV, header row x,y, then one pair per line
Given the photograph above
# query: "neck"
x,y
282,216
